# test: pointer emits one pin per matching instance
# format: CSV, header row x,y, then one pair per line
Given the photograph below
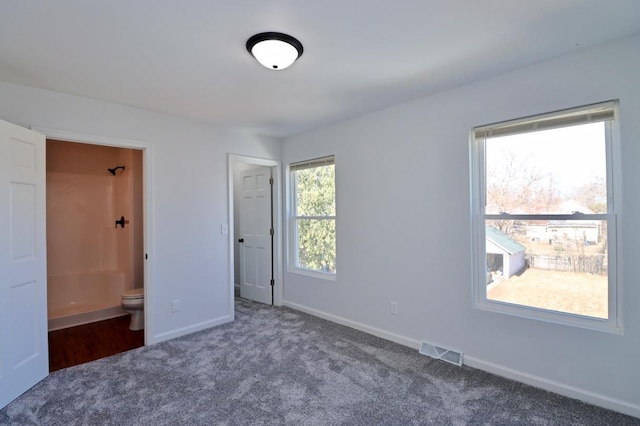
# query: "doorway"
x,y
95,248
24,353
255,236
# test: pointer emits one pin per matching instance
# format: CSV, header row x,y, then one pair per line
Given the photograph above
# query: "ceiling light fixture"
x,y
275,51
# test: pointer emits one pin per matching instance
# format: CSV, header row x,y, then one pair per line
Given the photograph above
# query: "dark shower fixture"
x,y
113,171
121,222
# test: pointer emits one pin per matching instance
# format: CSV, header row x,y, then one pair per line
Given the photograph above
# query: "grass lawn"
x,y
573,292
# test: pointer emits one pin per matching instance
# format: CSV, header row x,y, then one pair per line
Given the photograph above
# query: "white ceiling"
x,y
188,58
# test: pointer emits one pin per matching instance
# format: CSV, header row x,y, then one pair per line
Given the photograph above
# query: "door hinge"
x,y
271,181
272,232
273,282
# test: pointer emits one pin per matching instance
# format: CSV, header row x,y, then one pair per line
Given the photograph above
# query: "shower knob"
x,y
121,222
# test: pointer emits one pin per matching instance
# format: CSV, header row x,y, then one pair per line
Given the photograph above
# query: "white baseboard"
x,y
556,387
529,379
191,329
402,340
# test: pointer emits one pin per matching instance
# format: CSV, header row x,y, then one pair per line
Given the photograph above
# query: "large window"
x,y
313,216
544,219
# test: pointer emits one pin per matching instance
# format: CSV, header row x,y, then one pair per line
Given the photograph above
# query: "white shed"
x,y
504,254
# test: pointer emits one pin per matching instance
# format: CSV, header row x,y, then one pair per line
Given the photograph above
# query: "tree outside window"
x,y
314,215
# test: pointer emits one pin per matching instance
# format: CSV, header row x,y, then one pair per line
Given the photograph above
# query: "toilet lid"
x,y
135,293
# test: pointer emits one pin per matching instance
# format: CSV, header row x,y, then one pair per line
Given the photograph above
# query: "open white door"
x,y
24,352
255,240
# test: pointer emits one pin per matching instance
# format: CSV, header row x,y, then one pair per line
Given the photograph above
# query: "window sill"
x,y
315,274
560,318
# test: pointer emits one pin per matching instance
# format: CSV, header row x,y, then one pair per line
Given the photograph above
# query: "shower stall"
x,y
94,231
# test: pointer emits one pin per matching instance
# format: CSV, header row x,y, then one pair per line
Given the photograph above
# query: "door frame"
x,y
147,204
277,223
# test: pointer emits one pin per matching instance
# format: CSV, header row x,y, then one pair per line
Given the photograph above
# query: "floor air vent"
x,y
438,352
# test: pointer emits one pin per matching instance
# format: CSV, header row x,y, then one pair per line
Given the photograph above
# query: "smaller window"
x,y
313,216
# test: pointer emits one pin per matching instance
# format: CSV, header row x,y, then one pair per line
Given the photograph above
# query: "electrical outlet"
x,y
394,308
175,306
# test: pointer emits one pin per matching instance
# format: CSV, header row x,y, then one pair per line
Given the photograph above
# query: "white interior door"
x,y
24,353
255,235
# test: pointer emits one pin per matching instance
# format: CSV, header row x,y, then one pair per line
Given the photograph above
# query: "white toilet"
x,y
133,303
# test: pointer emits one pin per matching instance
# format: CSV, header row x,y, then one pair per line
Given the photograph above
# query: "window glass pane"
x,y
555,265
316,244
315,191
557,171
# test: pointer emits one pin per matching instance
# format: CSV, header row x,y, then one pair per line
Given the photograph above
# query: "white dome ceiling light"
x,y
275,51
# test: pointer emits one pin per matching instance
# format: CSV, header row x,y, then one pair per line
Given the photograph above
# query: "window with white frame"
x,y
313,216
544,217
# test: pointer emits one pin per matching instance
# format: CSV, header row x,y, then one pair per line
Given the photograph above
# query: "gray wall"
x,y
189,257
404,235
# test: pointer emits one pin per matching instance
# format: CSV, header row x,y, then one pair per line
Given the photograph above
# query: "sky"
x,y
572,155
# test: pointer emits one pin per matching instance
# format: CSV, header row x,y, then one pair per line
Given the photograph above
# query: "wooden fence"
x,y
593,264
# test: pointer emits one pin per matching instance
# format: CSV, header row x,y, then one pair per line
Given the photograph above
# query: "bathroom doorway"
x,y
95,241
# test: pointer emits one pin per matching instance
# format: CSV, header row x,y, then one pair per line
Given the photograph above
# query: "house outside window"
x,y
313,217
544,217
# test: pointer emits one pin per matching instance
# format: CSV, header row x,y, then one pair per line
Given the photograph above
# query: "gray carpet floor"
x,y
277,366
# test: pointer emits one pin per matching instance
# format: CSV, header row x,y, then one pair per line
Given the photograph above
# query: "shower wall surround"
x,y
90,261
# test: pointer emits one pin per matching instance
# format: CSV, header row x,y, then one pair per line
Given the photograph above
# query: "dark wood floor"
x,y
88,342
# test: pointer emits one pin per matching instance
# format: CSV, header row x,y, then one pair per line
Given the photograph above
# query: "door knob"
x,y
241,240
